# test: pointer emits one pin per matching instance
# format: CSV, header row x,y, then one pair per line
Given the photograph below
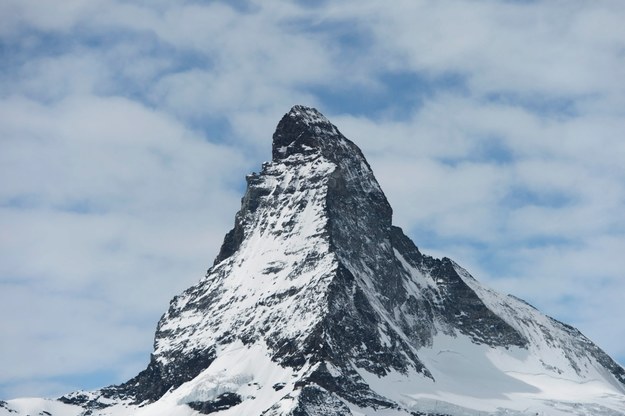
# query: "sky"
x,y
496,129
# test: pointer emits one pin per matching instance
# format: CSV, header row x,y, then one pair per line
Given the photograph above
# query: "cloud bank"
x,y
126,129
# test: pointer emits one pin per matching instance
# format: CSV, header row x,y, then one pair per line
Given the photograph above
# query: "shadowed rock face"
x,y
315,270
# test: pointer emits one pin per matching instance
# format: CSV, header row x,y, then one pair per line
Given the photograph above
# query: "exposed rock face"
x,y
336,304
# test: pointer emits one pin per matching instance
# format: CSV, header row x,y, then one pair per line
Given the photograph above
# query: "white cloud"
x,y
547,48
111,207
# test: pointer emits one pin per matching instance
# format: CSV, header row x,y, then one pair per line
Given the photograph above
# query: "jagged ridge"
x,y
360,294
322,302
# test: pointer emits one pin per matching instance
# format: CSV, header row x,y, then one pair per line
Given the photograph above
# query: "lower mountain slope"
x,y
318,305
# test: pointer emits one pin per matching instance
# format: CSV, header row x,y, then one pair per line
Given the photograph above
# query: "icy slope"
x,y
318,305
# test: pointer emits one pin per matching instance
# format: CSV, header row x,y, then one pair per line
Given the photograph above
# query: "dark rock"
x,y
278,386
315,401
5,405
223,402
150,384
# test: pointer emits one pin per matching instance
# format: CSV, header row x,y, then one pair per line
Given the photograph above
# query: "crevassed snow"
x,y
245,370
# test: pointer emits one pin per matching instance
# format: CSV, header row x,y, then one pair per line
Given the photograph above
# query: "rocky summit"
x,y
317,304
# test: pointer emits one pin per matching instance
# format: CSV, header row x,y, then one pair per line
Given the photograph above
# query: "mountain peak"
x,y
302,130
318,305
308,115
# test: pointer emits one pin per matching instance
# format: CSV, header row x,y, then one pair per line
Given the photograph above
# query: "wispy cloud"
x,y
126,128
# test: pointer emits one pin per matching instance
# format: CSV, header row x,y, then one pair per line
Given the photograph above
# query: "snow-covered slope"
x,y
318,305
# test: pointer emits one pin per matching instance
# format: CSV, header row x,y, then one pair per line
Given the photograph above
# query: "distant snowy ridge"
x,y
317,305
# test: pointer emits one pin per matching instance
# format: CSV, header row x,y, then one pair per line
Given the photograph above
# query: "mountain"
x,y
317,305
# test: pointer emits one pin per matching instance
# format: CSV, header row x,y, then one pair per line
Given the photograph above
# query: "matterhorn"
x,y
317,305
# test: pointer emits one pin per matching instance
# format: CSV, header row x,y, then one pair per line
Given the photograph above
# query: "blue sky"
x,y
126,129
